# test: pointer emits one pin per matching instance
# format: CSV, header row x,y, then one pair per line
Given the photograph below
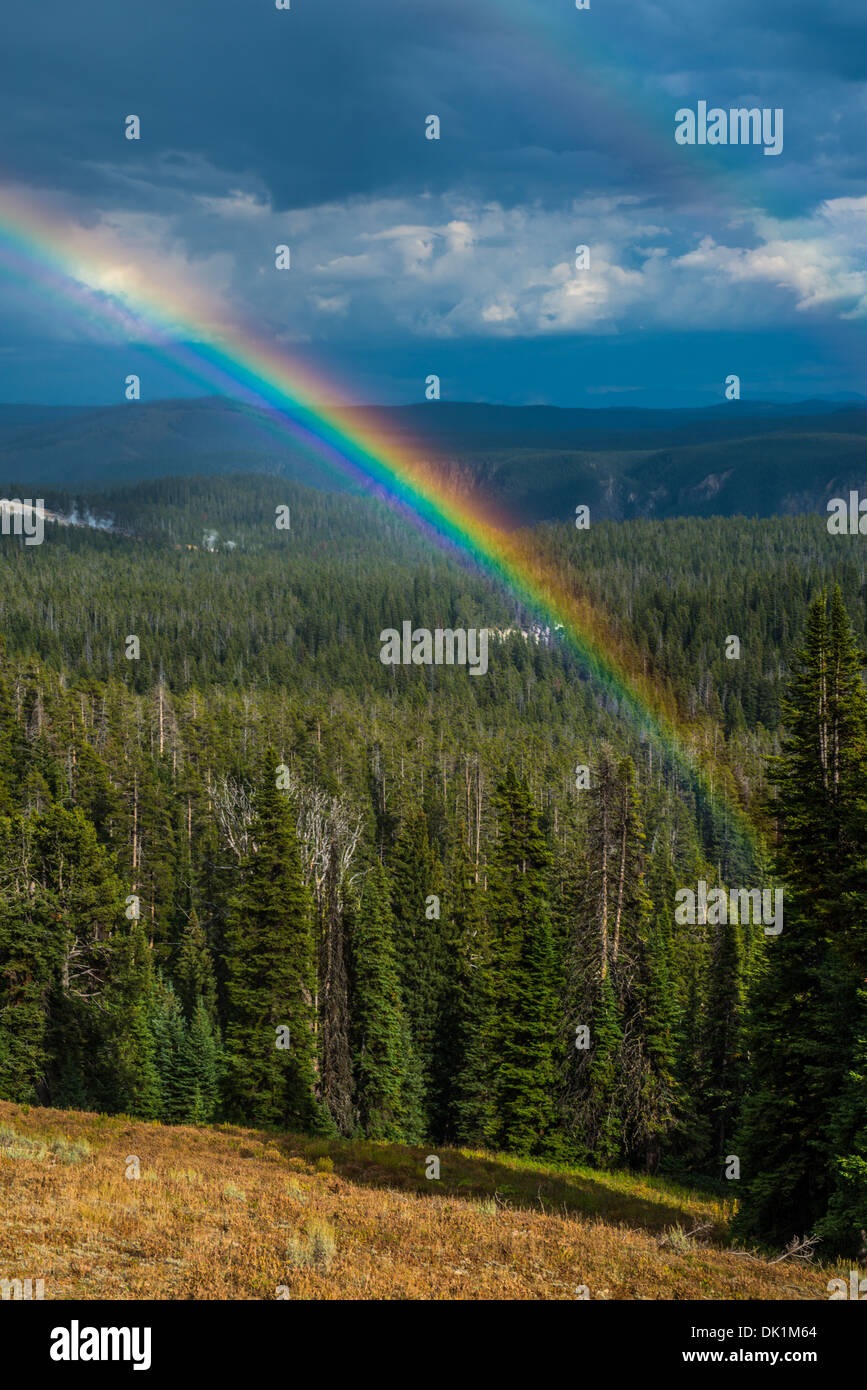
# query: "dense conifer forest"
x,y
251,873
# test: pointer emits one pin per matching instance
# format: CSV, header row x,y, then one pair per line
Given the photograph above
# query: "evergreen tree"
x,y
271,973
418,932
199,1068
132,1081
806,1011
73,873
525,1028
92,790
724,1045
30,958
639,974
196,1069
387,1081
657,1092
602,1117
194,972
797,1066
13,747
169,1032
822,780
844,1225
463,1074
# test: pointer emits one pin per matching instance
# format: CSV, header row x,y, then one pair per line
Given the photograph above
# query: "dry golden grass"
x,y
229,1213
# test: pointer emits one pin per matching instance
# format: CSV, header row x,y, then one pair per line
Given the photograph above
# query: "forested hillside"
x,y
538,463
250,872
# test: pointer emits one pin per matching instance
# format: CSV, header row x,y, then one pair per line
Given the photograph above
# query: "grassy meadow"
x,y
231,1213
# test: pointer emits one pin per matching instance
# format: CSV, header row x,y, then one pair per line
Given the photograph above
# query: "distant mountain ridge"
x,y
536,462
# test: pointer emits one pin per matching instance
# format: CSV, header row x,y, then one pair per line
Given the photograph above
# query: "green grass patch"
x,y
22,1146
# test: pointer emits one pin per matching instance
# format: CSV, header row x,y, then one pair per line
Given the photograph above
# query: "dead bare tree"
x,y
329,831
233,807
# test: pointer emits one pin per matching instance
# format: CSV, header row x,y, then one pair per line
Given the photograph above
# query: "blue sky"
x,y
456,256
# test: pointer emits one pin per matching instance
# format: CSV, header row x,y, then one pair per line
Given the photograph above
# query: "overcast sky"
x,y
453,256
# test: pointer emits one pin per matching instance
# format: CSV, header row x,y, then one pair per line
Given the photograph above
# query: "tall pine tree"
x,y
388,1089
271,973
525,1005
807,1015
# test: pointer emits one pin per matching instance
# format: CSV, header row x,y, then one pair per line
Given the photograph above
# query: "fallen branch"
x,y
799,1249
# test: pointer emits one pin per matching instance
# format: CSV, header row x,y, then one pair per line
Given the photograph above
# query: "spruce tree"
x,y
602,1112
464,1058
74,873
843,1228
805,1009
30,959
271,973
198,1068
169,1031
194,971
797,1067
657,1093
13,746
132,1079
387,1079
724,1043
822,780
415,876
525,1007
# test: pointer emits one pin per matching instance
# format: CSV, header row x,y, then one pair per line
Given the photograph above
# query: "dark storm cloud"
x,y
327,101
320,103
261,126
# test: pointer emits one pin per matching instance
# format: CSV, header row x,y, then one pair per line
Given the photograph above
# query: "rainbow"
x,y
57,261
